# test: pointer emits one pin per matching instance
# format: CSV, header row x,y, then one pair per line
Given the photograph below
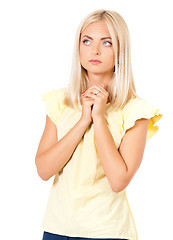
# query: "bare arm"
x,y
120,165
52,154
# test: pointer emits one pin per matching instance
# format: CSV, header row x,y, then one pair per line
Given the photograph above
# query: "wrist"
x,y
99,119
84,123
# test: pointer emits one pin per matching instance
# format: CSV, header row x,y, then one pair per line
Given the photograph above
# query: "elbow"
x,y
41,172
44,177
119,184
118,187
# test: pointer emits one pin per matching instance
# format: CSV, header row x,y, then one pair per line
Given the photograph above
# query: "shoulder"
x,y
54,94
53,100
138,108
133,101
138,105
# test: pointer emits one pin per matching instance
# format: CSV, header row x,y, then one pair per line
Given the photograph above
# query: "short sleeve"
x,y
52,102
139,108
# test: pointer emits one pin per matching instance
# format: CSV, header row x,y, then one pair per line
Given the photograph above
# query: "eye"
x,y
108,42
85,41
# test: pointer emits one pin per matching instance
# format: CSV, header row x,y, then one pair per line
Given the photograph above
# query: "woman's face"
x,y
96,43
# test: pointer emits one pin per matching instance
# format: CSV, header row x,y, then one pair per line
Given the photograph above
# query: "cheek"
x,y
108,51
83,53
110,55
82,56
81,59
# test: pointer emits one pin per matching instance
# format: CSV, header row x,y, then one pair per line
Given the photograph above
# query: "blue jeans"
x,y
51,236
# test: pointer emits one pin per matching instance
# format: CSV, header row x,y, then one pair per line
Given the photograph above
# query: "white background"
x,y
36,45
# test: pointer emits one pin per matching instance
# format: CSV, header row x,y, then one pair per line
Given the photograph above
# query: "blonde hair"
x,y
122,87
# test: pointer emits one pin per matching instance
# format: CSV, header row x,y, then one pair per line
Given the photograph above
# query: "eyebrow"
x,y
92,38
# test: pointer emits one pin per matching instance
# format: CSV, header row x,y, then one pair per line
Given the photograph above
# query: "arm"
x,y
120,165
52,154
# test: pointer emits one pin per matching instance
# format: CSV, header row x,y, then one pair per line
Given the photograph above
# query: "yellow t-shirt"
x,y
81,201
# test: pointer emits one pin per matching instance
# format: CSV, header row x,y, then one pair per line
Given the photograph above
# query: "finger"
x,y
97,87
90,95
87,97
94,96
95,91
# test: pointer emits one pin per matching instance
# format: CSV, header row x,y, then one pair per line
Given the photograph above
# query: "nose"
x,y
96,49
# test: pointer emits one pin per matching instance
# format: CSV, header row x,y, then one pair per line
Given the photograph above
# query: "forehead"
x,y
98,28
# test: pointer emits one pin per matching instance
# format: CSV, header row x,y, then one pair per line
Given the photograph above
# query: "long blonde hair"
x,y
122,87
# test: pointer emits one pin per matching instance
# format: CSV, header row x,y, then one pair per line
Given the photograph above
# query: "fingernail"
x,y
102,84
83,92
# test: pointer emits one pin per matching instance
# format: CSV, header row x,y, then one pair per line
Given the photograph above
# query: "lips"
x,y
95,61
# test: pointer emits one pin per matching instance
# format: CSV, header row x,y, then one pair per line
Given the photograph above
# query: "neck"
x,y
96,78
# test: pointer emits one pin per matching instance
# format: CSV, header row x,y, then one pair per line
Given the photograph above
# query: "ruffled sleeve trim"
x,y
52,100
139,108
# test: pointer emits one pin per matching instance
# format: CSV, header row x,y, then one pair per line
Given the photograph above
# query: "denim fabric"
x,y
51,236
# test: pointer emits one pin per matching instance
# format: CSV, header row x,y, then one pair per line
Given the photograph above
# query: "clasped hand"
x,y
100,100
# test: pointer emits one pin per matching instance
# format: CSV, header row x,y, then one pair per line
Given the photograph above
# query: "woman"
x,y
94,142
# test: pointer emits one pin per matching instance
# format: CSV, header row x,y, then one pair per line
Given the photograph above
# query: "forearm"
x,y
113,164
53,160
